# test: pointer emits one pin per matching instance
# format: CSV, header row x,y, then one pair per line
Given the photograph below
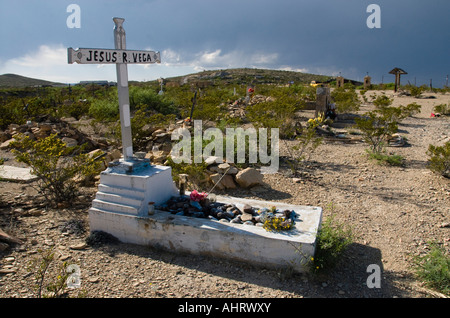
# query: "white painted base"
x,y
239,242
130,193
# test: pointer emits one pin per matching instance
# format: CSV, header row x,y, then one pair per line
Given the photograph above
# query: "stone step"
x,y
119,198
115,207
133,193
123,181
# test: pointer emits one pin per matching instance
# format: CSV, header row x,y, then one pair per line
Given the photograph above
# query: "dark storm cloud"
x,y
322,36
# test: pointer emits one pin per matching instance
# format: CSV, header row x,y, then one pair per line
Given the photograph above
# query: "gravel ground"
x,y
394,213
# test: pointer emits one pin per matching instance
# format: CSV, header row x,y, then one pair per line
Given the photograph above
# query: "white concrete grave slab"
x,y
17,174
201,236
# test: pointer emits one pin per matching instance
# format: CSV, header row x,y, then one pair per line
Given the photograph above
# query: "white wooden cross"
x,y
121,57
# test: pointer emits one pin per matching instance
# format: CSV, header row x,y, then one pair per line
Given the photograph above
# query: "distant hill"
x,y
14,80
248,76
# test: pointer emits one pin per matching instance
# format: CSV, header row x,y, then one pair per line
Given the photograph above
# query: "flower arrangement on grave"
x,y
317,122
273,220
197,197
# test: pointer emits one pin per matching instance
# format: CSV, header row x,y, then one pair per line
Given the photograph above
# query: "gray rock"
x,y
249,177
213,159
236,220
246,217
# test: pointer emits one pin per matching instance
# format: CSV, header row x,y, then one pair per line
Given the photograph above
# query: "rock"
x,y
70,142
212,159
34,212
246,217
115,154
19,211
4,136
247,208
95,153
228,182
249,177
94,279
157,132
195,204
214,168
236,220
5,144
3,246
159,156
6,238
233,170
78,246
45,128
229,214
224,166
9,260
162,137
215,179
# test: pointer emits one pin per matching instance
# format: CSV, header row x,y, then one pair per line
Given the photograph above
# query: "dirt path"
x,y
394,213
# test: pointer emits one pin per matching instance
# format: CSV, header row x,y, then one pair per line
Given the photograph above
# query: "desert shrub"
x,y
382,101
416,91
442,109
42,268
142,121
55,164
410,110
18,111
279,113
439,159
196,172
376,126
105,109
434,268
333,238
382,158
346,100
75,109
307,143
10,113
147,99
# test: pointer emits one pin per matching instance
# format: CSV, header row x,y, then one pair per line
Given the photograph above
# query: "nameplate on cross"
x,y
121,57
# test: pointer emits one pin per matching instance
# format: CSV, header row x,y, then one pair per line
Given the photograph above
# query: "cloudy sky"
x,y
322,37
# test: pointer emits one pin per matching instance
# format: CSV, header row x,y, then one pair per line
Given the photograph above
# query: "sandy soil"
x,y
394,213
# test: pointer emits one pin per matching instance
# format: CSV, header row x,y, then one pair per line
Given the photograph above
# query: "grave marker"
x,y
367,82
121,57
128,193
397,72
339,82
